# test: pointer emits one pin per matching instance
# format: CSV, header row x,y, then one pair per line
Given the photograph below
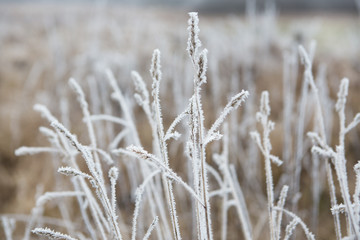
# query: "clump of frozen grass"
x,y
274,212
152,179
103,210
338,160
335,157
198,137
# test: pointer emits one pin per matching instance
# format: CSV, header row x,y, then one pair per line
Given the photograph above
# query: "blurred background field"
x,y
43,44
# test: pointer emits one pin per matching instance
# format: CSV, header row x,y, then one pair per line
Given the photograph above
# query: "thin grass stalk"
x,y
315,170
65,146
90,127
265,147
224,215
333,200
198,130
151,228
339,159
98,184
156,75
153,193
296,220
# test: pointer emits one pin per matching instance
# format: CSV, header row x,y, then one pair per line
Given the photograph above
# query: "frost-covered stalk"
x,y
139,193
292,225
50,234
338,155
265,147
289,85
197,148
281,204
198,138
151,228
300,125
231,181
340,161
155,72
154,116
95,179
59,142
356,195
90,127
153,193
113,175
224,215
333,199
309,79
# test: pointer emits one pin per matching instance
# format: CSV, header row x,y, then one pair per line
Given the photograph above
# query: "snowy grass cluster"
x,y
186,182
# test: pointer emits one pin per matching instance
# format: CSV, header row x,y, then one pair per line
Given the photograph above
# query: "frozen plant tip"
x,y
232,105
50,234
193,40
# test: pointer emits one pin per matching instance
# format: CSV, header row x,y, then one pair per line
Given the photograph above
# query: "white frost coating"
x,y
265,147
197,136
170,133
90,127
339,208
35,150
160,145
104,117
155,70
51,234
48,196
356,196
296,220
281,204
140,86
45,113
193,43
69,171
113,175
141,153
202,67
151,228
354,123
47,132
73,140
290,228
339,161
340,108
342,94
232,105
97,181
138,194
